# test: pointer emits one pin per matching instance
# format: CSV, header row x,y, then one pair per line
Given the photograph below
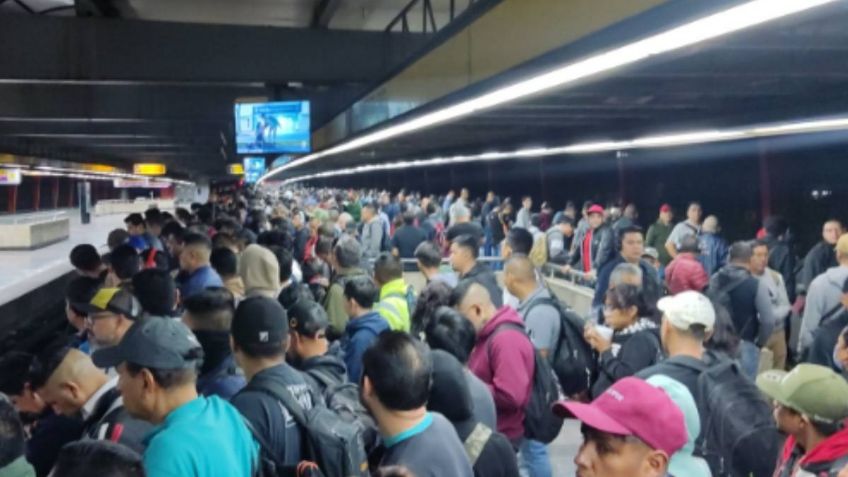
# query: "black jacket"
x,y
634,349
824,341
47,436
482,274
270,418
110,421
602,247
782,260
743,301
324,371
821,257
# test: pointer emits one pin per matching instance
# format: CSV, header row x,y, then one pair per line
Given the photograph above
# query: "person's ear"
x,y
148,382
233,345
657,463
367,386
73,390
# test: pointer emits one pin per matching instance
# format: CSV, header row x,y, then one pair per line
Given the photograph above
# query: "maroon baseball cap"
x,y
665,208
632,407
595,209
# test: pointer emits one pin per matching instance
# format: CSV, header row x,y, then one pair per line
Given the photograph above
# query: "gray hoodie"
x,y
824,295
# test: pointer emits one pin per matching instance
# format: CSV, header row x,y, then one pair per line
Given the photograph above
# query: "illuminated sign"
x,y
151,169
281,161
10,176
254,167
235,169
99,168
139,184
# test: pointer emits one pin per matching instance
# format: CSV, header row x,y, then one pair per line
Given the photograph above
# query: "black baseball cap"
x,y
116,300
307,318
259,320
155,343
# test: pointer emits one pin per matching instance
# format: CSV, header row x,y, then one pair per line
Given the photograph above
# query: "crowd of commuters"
x,y
273,333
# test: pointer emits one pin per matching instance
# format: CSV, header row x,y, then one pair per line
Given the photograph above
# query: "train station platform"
x,y
22,271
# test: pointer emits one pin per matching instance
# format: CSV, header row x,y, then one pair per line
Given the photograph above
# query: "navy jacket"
x,y
360,333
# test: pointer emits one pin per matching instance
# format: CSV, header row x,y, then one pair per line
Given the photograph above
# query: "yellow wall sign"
x,y
235,169
10,176
150,169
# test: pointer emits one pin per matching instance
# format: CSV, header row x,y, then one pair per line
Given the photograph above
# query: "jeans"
x,y
749,358
533,459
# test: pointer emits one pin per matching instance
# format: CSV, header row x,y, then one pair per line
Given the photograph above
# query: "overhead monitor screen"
x,y
254,167
281,127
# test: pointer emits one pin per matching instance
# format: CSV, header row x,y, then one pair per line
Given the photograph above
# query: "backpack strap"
x,y
281,394
323,378
504,327
476,442
832,313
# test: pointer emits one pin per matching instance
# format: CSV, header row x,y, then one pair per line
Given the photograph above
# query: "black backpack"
x,y
572,361
343,398
720,293
738,433
333,443
540,422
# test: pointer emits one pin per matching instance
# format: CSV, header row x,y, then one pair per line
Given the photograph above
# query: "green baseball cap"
x,y
813,390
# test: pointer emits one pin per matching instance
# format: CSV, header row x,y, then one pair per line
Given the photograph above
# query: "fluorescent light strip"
x,y
98,175
728,21
668,140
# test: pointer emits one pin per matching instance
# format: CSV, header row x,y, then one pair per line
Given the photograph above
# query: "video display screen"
x,y
254,167
281,127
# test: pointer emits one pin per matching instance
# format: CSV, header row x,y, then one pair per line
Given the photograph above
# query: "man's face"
x,y
694,213
134,230
175,247
459,257
759,260
490,197
608,455
566,229
77,321
105,328
134,392
788,421
595,220
527,203
64,398
297,221
632,247
666,216
28,402
464,194
831,232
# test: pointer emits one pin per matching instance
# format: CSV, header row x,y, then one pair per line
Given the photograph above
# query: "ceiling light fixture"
x,y
712,26
646,142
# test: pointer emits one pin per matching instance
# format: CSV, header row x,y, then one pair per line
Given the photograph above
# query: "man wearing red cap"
x,y
631,430
658,234
594,247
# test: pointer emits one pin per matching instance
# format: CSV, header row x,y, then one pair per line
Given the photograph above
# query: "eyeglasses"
x,y
90,319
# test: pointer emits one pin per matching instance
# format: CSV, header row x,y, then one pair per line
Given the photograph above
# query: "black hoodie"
x,y
324,371
451,397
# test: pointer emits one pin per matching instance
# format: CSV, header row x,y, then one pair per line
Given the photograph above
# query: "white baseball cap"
x,y
688,308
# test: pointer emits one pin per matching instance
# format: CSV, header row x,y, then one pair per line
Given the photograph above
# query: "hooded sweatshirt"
x,y
826,459
504,360
260,271
321,370
823,296
360,333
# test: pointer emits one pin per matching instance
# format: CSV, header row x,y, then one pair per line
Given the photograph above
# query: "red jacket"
x,y
827,458
505,362
684,273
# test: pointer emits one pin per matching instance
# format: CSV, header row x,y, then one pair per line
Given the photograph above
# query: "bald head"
x,y
474,302
72,382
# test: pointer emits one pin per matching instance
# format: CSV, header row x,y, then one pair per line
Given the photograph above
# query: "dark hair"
x,y
125,261
184,215
758,243
775,225
135,219
408,218
85,257
211,309
362,290
449,331
428,254
387,267
224,261
536,220
724,338
285,260
324,245
170,378
624,296
117,238
192,239
224,240
689,244
630,229
227,223
347,252
81,290
98,457
14,372
12,442
399,368
468,242
155,291
740,252
173,229
275,237
520,240
46,362
435,295
308,315
153,217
